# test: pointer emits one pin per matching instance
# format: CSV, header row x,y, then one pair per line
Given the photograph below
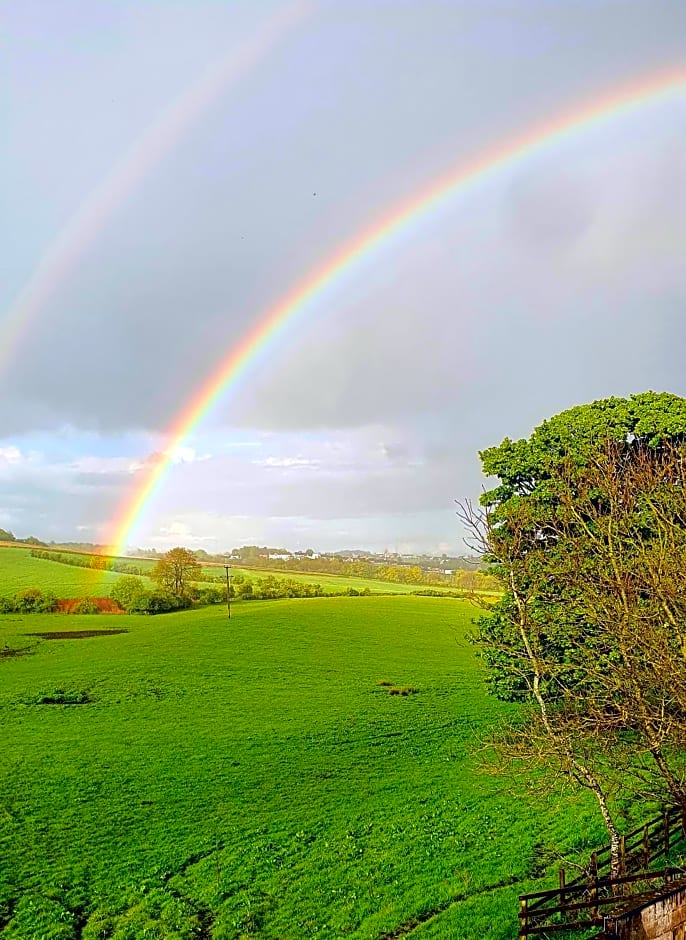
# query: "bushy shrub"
x,y
128,592
101,605
153,603
210,595
161,602
86,606
34,601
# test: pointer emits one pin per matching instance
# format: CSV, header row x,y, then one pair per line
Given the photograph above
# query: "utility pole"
x,y
227,568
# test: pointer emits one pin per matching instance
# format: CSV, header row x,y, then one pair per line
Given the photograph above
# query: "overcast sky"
x,y
554,282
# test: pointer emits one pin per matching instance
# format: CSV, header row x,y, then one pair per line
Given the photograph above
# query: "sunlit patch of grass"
x,y
237,778
20,571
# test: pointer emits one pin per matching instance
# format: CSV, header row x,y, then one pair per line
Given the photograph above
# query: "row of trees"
x,y
462,580
587,531
96,562
253,555
270,588
7,536
173,570
177,575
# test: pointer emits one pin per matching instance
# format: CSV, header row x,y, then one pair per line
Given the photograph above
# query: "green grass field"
x,y
18,571
251,778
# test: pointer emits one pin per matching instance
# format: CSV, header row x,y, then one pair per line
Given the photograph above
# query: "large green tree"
x,y
585,528
535,477
175,571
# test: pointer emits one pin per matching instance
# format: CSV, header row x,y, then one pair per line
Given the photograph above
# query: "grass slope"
x,y
251,779
328,582
18,571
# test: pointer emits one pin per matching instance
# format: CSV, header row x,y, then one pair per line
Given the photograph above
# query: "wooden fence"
x,y
579,903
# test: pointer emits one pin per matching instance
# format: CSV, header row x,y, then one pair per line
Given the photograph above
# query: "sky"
x,y
172,169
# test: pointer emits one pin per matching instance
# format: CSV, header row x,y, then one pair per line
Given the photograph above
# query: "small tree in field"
x,y
175,571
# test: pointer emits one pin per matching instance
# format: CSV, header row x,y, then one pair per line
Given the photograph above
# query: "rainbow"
x,y
272,325
78,234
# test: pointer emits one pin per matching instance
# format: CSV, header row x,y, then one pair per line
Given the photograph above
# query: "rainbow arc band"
x,y
81,231
271,326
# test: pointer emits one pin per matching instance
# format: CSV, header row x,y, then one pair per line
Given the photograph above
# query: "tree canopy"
x,y
176,570
586,528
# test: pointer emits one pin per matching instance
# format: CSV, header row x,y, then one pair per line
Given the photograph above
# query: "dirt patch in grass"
x,y
8,653
392,689
65,697
74,634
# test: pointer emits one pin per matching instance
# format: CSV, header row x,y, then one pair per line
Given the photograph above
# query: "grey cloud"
x,y
557,282
229,220
551,212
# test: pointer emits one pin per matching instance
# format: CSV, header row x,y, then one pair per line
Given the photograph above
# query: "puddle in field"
x,y
74,634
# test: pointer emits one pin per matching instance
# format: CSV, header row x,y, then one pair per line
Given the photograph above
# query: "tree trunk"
x,y
676,789
584,776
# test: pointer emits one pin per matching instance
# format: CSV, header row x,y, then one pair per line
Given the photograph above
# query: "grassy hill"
x,y
252,778
18,571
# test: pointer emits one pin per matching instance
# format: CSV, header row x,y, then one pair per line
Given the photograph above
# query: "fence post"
x,y
563,881
666,834
594,885
523,918
646,846
683,820
622,855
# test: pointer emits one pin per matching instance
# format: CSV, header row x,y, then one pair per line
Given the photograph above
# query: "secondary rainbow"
x,y
271,326
79,233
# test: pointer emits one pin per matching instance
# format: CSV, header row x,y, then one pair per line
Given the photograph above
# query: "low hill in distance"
x,y
19,571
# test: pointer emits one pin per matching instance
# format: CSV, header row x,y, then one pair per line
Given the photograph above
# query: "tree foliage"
x,y
29,601
175,571
129,592
537,478
587,530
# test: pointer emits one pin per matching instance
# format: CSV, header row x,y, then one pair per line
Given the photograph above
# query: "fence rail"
x,y
562,908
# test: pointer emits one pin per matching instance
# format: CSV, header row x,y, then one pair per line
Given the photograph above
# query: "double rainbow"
x,y
81,231
271,326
